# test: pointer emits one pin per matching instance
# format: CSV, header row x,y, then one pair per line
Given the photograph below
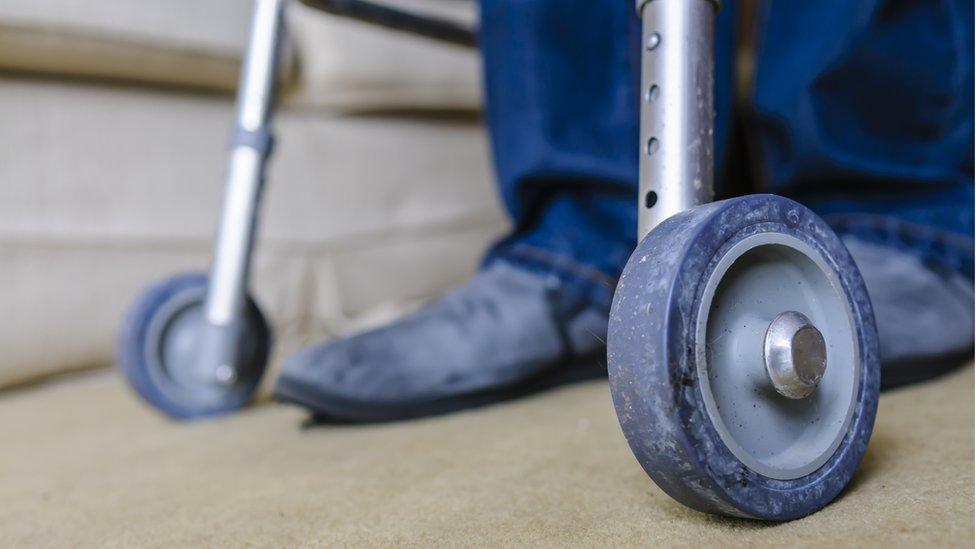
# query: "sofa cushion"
x,y
199,43
103,190
347,63
183,42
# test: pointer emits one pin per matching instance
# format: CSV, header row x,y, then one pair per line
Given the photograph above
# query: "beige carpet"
x,y
85,464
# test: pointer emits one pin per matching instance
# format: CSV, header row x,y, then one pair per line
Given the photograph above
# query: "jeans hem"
x,y
934,246
576,278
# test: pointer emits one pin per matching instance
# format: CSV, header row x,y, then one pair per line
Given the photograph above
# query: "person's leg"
x,y
561,84
563,103
562,110
863,111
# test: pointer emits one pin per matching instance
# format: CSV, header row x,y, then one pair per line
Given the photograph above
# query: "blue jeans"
x,y
861,109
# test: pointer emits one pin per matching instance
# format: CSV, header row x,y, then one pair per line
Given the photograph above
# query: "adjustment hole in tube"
x,y
652,146
652,93
650,199
653,40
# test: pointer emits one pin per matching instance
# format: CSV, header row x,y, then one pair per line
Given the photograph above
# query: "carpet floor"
x,y
86,464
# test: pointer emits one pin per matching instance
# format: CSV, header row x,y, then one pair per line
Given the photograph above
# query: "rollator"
x,y
742,350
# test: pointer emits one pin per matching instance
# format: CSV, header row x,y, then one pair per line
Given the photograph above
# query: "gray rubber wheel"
x,y
158,352
743,359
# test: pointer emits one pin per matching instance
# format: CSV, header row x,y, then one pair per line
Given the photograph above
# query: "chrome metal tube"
x,y
245,171
677,108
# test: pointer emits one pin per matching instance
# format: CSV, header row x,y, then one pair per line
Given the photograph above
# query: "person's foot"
x,y
500,334
924,315
508,331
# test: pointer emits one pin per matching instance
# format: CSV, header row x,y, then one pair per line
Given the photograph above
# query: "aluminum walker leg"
x,y
251,143
677,108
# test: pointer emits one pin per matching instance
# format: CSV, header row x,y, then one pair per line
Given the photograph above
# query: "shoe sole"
x,y
332,408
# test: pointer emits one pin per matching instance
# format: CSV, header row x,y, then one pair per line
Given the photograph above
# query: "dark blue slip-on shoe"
x,y
504,333
924,313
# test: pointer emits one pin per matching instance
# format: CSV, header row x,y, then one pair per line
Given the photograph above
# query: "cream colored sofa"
x,y
112,148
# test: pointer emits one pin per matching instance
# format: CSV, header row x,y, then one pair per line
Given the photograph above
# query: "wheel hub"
x,y
771,318
795,355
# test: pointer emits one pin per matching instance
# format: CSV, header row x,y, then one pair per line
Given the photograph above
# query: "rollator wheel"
x,y
743,359
158,351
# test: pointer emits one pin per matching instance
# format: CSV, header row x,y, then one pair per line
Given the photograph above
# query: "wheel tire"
x,y
670,373
161,325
